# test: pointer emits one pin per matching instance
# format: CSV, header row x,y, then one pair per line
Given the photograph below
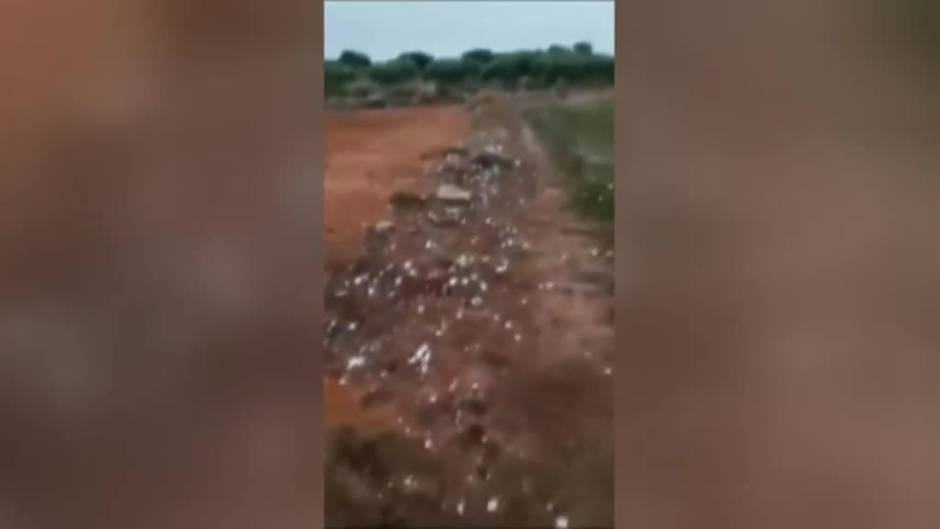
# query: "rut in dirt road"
x,y
467,329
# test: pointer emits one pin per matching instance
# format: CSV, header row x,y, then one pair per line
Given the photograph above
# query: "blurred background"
x,y
777,259
158,230
777,253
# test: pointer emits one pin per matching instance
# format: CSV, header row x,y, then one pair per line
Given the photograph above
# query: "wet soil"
x,y
469,351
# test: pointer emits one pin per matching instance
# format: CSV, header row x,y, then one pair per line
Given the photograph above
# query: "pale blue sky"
x,y
383,29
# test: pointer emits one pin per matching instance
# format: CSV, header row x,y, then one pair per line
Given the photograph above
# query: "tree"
x,y
574,68
393,72
546,69
420,59
599,69
583,48
510,66
355,59
501,69
336,77
448,71
480,56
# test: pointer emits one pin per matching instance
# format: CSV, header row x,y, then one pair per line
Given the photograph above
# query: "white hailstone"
x,y
492,505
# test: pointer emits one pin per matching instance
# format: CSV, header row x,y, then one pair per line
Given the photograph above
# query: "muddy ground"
x,y
469,344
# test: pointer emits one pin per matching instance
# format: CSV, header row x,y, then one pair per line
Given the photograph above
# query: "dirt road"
x,y
476,337
371,154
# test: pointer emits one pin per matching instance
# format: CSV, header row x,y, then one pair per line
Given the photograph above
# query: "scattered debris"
x,y
444,152
384,227
452,194
444,218
407,200
487,159
412,326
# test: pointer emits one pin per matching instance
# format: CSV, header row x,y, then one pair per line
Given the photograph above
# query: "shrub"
x,y
354,74
583,48
480,56
580,138
336,76
502,69
472,70
600,69
355,59
393,72
376,100
420,59
508,68
449,71
361,88
575,69
404,94
550,67
425,92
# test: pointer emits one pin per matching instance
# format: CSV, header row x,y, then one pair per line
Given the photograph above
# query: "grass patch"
x,y
580,138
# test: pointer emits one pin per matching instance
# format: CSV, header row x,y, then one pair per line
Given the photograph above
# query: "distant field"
x,y
580,137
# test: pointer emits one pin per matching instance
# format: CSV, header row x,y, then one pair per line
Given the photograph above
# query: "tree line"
x,y
354,73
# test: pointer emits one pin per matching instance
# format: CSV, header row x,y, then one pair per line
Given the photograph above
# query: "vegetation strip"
x,y
418,78
579,136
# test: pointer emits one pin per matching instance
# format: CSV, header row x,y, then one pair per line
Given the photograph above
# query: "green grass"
x,y
580,138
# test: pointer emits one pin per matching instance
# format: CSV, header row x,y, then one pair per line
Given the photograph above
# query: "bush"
x,y
502,69
583,48
355,59
420,59
449,71
479,56
472,71
574,68
336,77
600,69
508,68
580,138
393,72
354,74
376,101
425,93
404,94
551,67
361,88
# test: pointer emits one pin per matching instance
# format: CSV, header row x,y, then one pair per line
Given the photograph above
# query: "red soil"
x,y
370,155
